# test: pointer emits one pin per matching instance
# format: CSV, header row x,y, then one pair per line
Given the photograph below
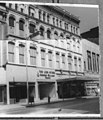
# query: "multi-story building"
x,y
44,63
91,54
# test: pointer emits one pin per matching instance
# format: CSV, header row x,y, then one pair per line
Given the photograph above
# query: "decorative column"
x,y
36,92
56,90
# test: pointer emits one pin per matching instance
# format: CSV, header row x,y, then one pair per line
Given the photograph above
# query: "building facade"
x,y
91,56
40,65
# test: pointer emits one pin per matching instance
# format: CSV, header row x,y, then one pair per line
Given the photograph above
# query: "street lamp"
x,y
26,59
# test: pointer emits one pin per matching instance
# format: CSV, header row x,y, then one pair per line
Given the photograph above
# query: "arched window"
x,y
48,34
11,21
21,25
32,28
42,31
56,35
61,36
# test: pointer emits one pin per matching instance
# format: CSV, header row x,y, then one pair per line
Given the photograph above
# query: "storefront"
x,y
3,94
46,83
76,86
18,91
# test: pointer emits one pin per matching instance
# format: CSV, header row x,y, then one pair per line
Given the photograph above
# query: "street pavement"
x,y
76,106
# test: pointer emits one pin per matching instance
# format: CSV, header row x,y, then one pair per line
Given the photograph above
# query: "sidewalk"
x,y
43,102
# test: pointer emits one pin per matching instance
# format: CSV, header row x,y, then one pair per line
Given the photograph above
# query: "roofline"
x,y
59,9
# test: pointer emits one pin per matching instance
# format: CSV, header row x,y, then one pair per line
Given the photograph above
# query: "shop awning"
x,y
79,78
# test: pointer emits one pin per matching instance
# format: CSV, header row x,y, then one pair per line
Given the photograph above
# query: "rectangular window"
x,y
44,17
16,7
32,28
50,58
11,52
94,62
60,23
84,66
89,60
97,63
10,5
57,60
80,64
48,18
39,15
32,56
75,63
43,55
69,63
63,61
53,21
57,22
68,45
21,53
22,10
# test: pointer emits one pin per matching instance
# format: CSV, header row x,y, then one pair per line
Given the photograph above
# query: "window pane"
x,y
11,21
21,53
33,56
11,52
21,25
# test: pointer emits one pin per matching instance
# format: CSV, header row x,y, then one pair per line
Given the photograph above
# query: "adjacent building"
x,y
91,56
40,53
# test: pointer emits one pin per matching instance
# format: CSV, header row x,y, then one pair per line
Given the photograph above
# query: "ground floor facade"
x,y
43,84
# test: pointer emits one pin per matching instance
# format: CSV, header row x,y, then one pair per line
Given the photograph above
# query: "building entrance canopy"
x,y
78,78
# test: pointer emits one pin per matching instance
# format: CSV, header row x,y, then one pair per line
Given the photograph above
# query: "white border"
x,y
53,4
30,115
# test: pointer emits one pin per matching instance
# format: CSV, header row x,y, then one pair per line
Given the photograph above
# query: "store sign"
x,y
46,74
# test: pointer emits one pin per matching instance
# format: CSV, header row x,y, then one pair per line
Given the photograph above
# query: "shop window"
x,y
43,56
11,46
21,25
33,55
11,21
48,34
32,28
50,56
21,53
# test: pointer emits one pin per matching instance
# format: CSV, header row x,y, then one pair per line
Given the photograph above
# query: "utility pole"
x,y
26,59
